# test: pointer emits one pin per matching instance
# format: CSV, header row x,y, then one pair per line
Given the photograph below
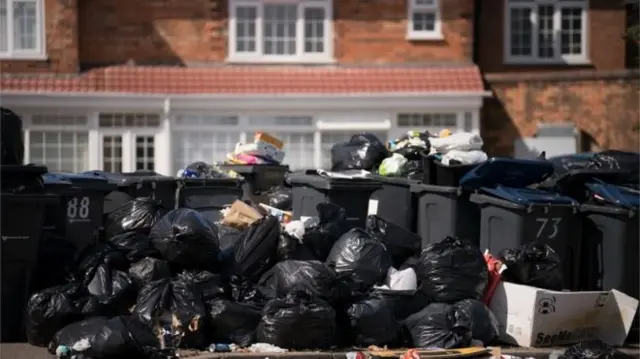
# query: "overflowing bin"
x,y
208,195
395,202
353,194
512,214
258,178
20,228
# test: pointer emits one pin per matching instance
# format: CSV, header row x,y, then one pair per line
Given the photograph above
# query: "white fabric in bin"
x,y
462,141
401,280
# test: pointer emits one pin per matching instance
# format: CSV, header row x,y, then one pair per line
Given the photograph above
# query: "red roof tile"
x,y
254,80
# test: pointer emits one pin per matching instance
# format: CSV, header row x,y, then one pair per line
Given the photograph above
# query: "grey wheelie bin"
x,y
512,214
21,227
143,184
258,178
353,194
208,195
395,201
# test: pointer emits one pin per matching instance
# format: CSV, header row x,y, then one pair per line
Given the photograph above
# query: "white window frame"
x,y
39,53
467,120
412,7
534,59
300,56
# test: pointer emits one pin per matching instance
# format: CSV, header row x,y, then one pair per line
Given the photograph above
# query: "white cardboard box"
x,y
534,317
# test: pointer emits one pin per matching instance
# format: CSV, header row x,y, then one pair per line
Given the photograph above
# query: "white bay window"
x,y
22,29
545,31
280,30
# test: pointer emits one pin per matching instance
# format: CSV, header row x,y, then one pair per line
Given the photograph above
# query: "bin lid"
x,y
210,182
87,181
508,172
54,180
112,177
399,181
580,177
30,169
616,195
528,196
313,179
127,179
247,169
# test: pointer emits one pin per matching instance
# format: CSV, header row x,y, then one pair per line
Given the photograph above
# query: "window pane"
x,y
24,25
128,120
4,30
207,146
431,121
521,31
246,28
328,139
61,151
112,153
280,29
571,31
545,31
424,21
314,30
144,153
299,149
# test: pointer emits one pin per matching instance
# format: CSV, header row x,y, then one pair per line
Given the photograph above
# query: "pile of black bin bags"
x,y
167,279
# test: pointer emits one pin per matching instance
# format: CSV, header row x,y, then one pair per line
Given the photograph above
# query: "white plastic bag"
x,y
461,141
404,280
464,157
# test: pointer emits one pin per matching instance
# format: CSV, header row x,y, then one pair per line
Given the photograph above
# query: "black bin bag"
x,y
312,276
119,337
115,290
257,248
148,270
534,264
299,321
12,138
280,197
233,322
208,285
54,308
249,293
403,303
186,238
364,259
135,245
438,326
175,303
593,349
363,151
452,270
373,322
138,215
228,236
401,244
484,325
320,235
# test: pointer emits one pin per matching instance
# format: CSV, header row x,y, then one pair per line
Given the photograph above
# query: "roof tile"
x,y
254,80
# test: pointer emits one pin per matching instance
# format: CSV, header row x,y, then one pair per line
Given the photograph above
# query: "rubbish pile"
x,y
265,149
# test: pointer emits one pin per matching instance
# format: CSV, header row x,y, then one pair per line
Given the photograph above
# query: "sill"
x,y
24,57
280,60
553,62
416,36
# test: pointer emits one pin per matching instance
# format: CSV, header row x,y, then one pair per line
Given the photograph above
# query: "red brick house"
x,y
154,84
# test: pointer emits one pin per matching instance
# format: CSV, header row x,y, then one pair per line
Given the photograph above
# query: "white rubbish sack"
x,y
464,157
461,141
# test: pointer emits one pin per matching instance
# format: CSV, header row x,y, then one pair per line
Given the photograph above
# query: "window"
x,y
127,120
21,29
435,121
204,138
60,142
543,31
424,20
272,30
328,139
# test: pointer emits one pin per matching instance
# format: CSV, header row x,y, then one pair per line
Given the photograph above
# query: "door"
x,y
128,151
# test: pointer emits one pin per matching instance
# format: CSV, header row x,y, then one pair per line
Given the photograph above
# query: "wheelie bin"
x,y
84,208
258,178
21,226
208,195
395,201
512,215
353,194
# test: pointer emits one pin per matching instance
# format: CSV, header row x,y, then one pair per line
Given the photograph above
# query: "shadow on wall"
x,y
496,127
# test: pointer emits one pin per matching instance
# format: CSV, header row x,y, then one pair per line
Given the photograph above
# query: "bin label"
x,y
548,227
373,207
78,209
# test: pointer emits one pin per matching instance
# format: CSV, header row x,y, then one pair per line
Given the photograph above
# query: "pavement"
x,y
26,351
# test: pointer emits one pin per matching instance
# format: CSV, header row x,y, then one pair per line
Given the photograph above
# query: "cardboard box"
x,y
265,137
240,215
534,317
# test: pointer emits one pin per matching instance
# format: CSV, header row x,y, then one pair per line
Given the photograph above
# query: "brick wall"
x,y
604,104
61,41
